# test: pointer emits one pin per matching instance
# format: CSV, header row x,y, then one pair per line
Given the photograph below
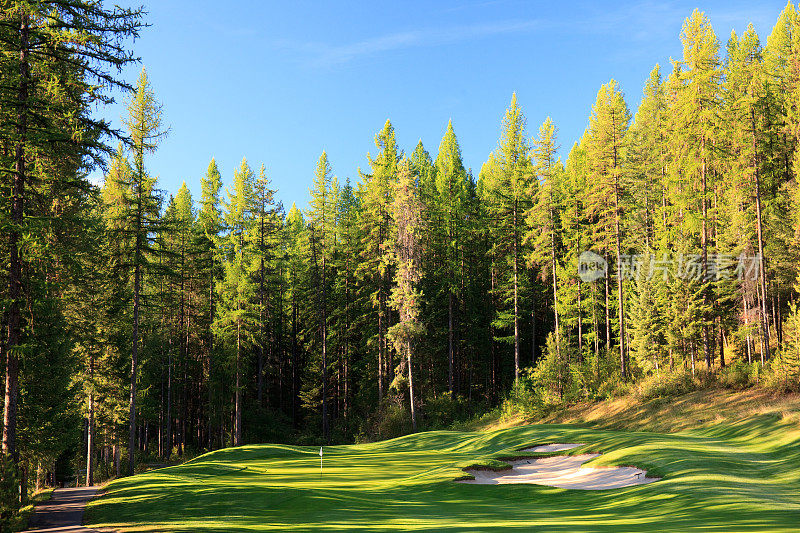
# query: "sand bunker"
x,y
562,471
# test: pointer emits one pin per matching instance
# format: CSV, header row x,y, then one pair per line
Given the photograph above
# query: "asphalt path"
x,y
63,512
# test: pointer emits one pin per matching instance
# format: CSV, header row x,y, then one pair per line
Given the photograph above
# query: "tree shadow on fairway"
x,y
740,478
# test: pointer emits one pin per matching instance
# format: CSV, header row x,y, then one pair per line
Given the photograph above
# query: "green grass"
x,y
20,521
727,477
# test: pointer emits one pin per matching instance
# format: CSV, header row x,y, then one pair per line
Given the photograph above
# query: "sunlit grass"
x,y
696,409
726,477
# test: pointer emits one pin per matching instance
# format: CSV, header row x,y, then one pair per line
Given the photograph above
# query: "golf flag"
x,y
320,451
320,460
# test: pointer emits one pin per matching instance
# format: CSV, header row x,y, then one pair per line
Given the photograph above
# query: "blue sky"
x,y
278,82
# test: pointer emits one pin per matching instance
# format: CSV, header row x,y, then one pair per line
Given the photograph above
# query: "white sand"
x,y
562,471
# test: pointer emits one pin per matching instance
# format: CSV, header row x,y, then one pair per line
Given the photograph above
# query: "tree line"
x,y
140,326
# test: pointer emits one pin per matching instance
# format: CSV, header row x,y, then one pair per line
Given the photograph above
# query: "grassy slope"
x,y
20,522
689,411
724,476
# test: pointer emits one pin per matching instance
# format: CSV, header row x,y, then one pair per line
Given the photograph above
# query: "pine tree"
x,y
608,125
322,224
296,273
237,320
647,322
645,165
376,196
407,215
696,117
423,166
57,65
544,232
144,124
449,202
782,81
347,314
208,267
745,103
507,176
577,239
265,234
175,251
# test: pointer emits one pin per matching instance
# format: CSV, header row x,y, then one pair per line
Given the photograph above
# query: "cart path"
x,y
63,513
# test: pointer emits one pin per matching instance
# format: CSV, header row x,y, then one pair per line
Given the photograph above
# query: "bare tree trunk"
x,y
747,324
137,281
210,346
411,390
237,425
15,268
761,269
555,287
295,363
261,299
516,298
764,334
533,334
380,344
495,362
90,434
325,428
704,257
580,321
117,457
595,321
620,304
168,431
608,315
450,355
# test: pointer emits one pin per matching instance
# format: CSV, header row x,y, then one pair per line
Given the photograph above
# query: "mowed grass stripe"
x,y
729,477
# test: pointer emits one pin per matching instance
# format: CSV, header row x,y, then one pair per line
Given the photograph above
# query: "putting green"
x,y
741,477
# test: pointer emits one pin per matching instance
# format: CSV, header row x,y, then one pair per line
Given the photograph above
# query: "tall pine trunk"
x,y
411,389
137,282
325,429
90,436
450,354
608,314
759,228
704,257
555,285
237,425
515,253
14,313
620,302
261,300
168,431
210,346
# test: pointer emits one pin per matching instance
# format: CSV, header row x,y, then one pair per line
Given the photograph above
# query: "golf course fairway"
x,y
725,477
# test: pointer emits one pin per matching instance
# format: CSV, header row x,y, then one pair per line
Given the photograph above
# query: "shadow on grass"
x,y
738,477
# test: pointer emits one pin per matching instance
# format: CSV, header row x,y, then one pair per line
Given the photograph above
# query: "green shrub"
x,y
391,419
524,398
597,376
783,371
737,375
9,493
669,384
443,410
552,376
780,373
479,420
